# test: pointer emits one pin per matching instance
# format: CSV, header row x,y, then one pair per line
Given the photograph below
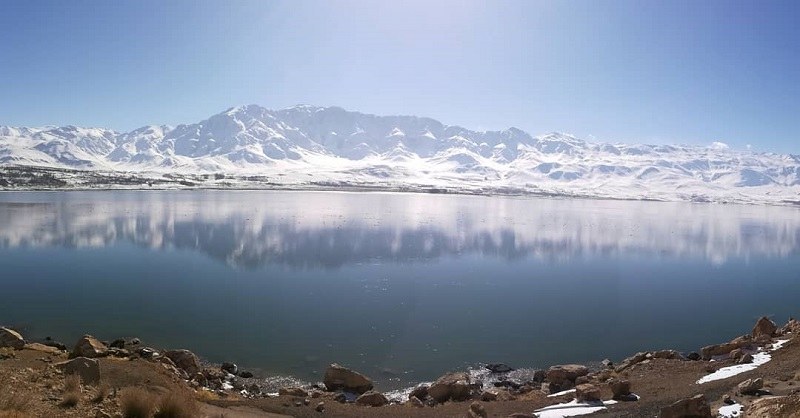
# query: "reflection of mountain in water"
x,y
249,229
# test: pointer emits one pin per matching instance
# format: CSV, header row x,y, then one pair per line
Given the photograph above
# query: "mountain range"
x,y
305,145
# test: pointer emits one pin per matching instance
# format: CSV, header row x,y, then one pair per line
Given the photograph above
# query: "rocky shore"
x,y
752,375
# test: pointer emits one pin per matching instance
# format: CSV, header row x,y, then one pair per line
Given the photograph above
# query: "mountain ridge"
x,y
311,143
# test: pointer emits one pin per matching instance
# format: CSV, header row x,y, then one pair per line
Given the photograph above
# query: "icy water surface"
x,y
402,287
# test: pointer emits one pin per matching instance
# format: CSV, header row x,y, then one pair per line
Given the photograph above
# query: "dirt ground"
x,y
31,386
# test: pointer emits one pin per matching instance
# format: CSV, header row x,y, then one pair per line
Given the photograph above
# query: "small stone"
x,y
245,375
581,380
338,377
499,368
184,360
340,397
695,407
88,369
320,407
566,373
89,347
146,352
306,401
608,363
745,359
11,338
372,398
476,410
727,400
299,392
619,388
488,396
587,393
118,343
750,386
415,402
420,392
230,367
694,356
136,341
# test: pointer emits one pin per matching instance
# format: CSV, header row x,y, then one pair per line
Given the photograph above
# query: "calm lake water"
x,y
402,287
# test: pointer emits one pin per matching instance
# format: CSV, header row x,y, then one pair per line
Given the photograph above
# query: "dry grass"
x,y
136,403
14,402
102,393
72,391
176,405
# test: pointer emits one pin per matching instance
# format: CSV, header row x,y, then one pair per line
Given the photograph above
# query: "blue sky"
x,y
630,71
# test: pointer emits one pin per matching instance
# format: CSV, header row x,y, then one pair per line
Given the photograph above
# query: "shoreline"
x,y
549,390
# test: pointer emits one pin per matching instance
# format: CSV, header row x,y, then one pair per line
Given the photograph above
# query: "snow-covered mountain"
x,y
306,144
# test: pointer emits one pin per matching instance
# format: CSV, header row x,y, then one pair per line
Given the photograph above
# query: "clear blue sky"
x,y
631,71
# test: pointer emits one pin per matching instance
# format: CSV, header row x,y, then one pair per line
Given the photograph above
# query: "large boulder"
x,y
777,406
764,329
372,398
694,407
566,373
88,369
184,360
341,378
452,386
710,351
630,361
89,347
793,326
620,388
11,338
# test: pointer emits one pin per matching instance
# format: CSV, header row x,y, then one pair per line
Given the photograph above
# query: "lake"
x,y
402,287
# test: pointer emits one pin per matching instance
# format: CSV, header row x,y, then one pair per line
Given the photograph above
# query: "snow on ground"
x,y
759,358
731,411
572,409
563,392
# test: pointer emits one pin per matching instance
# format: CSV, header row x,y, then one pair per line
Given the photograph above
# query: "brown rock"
x,y
694,407
587,393
476,410
42,348
420,392
320,407
452,386
620,388
88,369
667,354
793,326
710,351
299,392
630,361
565,373
750,386
745,359
488,396
338,377
415,402
764,329
89,347
11,338
184,360
778,406
372,398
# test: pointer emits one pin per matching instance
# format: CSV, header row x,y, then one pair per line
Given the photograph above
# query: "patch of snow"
x,y
731,411
571,409
759,358
563,392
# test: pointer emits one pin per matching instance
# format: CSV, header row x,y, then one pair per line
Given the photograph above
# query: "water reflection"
x,y
329,230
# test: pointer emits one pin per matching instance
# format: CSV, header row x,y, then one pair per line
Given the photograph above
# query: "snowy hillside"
x,y
306,145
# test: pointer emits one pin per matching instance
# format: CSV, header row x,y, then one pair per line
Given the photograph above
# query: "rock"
x,y
476,410
667,354
630,361
778,406
750,386
488,396
372,398
727,400
608,363
587,393
118,343
736,354
230,367
452,386
184,360
11,338
102,414
200,378
416,402
55,344
539,375
745,359
793,326
320,407
146,352
245,375
582,379
89,347
420,392
565,373
42,348
620,388
694,407
88,369
499,368
338,377
136,341
711,351
694,356
340,397
764,329
299,392
507,384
